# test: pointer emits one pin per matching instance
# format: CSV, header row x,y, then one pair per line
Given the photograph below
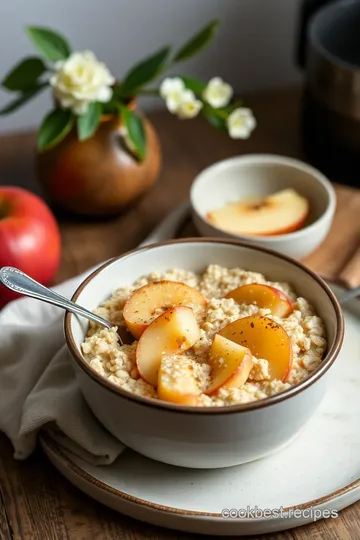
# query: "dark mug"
x,y
329,51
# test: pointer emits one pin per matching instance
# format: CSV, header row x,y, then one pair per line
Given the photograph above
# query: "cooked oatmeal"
x,y
117,363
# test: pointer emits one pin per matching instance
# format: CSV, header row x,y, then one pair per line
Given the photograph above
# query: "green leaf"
x,y
135,129
196,85
52,45
144,72
54,128
198,42
212,116
110,107
215,121
119,93
88,123
22,99
24,75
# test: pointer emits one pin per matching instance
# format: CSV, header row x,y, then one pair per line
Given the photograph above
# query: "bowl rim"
x,y
326,363
264,159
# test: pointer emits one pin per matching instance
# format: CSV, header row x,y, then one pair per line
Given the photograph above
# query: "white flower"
x,y
218,93
171,85
80,80
179,99
172,89
241,122
189,106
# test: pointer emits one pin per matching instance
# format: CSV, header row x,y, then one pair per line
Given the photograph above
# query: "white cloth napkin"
x,y
38,389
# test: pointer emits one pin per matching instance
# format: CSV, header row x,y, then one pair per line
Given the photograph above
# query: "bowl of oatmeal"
x,y
226,350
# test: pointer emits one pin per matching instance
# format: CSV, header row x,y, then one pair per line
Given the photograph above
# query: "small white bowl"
x,y
260,175
203,437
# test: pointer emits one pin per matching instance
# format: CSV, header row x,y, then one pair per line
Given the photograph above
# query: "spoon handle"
x,y
17,281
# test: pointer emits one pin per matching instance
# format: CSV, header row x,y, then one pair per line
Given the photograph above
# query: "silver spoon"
x,y
17,281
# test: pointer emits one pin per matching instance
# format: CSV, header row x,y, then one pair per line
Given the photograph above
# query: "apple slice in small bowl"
x,y
280,213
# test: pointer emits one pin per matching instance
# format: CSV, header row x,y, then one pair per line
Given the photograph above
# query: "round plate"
x,y
313,478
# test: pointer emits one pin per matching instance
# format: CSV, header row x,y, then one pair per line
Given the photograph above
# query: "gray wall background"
x,y
254,48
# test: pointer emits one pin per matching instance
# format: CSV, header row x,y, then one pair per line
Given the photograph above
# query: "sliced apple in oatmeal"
x,y
265,339
263,296
176,381
172,332
149,301
231,364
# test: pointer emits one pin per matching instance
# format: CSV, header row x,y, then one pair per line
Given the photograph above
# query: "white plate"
x,y
319,471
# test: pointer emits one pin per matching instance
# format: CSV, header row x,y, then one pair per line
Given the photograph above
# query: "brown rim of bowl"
x,y
329,359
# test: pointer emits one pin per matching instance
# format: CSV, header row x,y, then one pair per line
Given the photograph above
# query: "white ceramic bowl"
x,y
203,437
259,175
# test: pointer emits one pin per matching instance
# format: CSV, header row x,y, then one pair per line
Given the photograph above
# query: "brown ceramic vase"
x,y
98,176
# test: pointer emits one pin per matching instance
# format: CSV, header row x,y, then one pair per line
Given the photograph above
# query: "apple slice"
x,y
263,296
174,331
280,213
265,339
176,381
231,364
147,302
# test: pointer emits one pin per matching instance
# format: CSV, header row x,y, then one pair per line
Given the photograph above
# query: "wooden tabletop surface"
x,y
36,502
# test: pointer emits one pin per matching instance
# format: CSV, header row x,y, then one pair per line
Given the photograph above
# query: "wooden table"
x,y
36,502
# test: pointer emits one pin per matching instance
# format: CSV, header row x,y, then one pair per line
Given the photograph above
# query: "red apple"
x,y
29,237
